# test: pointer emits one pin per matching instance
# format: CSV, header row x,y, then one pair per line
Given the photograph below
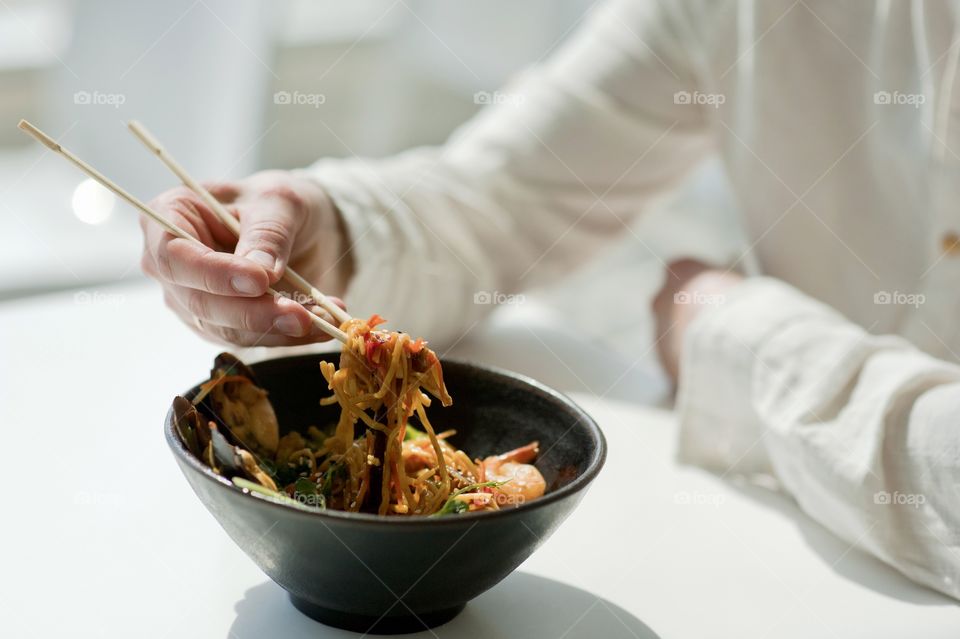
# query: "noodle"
x,y
383,455
380,383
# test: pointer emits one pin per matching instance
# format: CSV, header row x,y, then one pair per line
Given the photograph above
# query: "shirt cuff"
x,y
720,428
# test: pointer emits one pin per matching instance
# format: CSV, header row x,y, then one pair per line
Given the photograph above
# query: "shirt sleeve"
x,y
860,429
554,167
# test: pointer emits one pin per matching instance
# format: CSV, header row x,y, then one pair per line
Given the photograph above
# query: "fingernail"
x,y
244,285
262,258
289,325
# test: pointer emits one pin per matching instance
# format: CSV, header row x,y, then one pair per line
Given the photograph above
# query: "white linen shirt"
x,y
837,123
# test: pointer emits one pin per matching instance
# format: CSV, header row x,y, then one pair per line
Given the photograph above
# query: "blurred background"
x,y
232,86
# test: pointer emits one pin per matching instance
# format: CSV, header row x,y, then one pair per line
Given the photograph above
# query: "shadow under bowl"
x,y
378,574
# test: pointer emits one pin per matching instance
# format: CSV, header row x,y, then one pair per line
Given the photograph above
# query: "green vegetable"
x,y
305,492
304,486
285,474
454,506
336,470
413,433
256,489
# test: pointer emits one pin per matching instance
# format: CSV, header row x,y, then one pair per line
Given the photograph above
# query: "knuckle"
x,y
148,266
225,191
181,196
178,199
163,266
247,321
288,194
235,336
197,304
272,232
181,204
182,191
211,281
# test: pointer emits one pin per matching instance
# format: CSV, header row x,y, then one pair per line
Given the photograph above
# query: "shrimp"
x,y
523,481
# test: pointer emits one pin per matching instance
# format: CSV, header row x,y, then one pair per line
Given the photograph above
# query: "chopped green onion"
x,y
454,506
306,493
413,433
264,492
335,470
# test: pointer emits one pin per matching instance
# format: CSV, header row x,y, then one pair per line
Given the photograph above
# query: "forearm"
x,y
428,237
858,428
420,245
531,187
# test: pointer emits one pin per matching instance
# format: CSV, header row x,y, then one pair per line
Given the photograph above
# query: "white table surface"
x,y
102,537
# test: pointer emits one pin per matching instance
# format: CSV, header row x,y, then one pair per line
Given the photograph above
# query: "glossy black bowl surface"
x,y
402,574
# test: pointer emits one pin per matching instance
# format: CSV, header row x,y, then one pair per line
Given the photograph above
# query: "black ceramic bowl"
x,y
378,574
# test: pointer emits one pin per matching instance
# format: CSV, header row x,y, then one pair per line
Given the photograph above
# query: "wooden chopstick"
x,y
53,145
151,142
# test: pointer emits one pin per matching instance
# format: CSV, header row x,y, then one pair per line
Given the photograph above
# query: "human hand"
x,y
219,290
690,287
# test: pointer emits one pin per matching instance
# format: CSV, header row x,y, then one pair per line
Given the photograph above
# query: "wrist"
x,y
339,261
690,289
327,251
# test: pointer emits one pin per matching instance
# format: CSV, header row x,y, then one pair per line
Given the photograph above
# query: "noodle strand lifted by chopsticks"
x,y
380,382
382,455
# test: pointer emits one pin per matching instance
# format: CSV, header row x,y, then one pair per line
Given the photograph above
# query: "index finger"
x,y
197,266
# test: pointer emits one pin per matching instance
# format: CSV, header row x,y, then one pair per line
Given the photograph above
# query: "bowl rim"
x,y
594,464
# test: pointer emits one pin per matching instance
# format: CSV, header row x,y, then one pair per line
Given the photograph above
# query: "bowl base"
x,y
386,625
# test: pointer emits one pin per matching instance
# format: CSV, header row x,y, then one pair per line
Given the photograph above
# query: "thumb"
x,y
267,232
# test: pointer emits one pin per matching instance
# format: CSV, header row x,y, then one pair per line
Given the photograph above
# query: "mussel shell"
x,y
197,425
189,425
224,364
209,415
230,460
224,453
229,363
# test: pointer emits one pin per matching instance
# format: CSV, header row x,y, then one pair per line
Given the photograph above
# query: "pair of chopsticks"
x,y
302,285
